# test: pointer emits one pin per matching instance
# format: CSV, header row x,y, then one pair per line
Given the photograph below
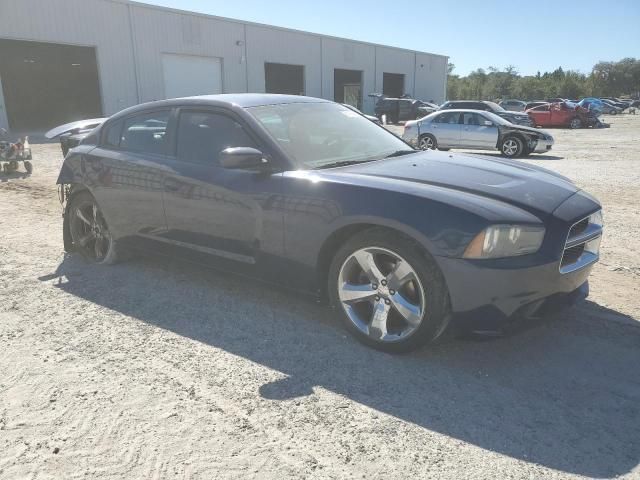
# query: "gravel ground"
x,y
156,369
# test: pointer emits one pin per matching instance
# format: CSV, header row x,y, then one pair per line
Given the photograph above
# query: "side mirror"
x,y
488,123
240,158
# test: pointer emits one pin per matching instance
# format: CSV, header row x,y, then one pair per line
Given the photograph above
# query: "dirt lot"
x,y
154,369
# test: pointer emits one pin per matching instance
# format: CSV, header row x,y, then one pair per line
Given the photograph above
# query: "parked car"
x,y
71,134
368,117
561,114
611,108
516,118
475,129
513,105
304,193
401,109
556,100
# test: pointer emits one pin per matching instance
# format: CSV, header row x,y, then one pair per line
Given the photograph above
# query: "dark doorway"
x,y
393,84
282,78
347,87
47,84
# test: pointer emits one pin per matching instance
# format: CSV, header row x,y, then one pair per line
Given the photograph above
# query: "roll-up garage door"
x,y
187,75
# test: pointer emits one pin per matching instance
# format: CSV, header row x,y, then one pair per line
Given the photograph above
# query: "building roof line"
x,y
265,25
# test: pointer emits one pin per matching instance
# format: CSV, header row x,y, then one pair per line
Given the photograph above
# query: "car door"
x,y
446,129
541,115
478,131
125,173
214,210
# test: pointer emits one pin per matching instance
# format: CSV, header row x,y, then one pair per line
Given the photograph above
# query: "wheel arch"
x,y
341,235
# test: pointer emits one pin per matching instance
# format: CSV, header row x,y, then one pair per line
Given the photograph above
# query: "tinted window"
x,y
452,117
146,133
113,134
203,135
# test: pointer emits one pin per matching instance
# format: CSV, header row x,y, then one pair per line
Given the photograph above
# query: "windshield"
x,y
495,107
498,120
321,135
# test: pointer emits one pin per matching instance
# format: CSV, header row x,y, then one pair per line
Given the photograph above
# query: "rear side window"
x,y
451,118
113,134
146,133
203,135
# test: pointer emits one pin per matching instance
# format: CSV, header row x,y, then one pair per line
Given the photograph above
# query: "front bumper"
x,y
543,146
491,299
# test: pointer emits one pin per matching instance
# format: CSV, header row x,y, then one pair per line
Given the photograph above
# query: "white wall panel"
x,y
189,75
281,46
158,31
349,55
431,73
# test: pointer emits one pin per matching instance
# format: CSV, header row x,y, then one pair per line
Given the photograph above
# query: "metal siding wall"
x,y
391,60
81,22
279,46
105,25
431,77
350,56
157,31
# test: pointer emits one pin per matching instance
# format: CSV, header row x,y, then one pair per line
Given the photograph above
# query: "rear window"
x,y
113,134
146,133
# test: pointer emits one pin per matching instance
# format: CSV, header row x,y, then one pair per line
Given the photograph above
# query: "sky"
x,y
538,35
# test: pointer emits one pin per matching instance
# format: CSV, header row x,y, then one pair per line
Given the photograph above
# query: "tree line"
x,y
607,79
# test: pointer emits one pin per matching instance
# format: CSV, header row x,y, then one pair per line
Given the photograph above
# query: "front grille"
x,y
579,228
571,255
582,245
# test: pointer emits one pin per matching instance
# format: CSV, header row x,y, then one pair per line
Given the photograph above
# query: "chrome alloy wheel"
x,y
510,147
381,294
89,231
426,143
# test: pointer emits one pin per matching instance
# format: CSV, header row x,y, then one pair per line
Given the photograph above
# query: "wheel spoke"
x,y
95,213
82,217
97,247
350,293
410,312
378,326
401,274
84,240
367,263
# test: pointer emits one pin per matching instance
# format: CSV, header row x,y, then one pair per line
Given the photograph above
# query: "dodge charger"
x,y
310,195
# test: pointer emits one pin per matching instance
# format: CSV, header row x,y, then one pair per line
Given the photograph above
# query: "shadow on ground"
x,y
565,395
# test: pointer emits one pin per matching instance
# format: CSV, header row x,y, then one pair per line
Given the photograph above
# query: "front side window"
x,y
203,135
472,119
146,133
318,135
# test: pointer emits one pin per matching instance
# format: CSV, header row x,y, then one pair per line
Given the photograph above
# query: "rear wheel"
x,y
575,123
89,230
427,142
390,293
512,147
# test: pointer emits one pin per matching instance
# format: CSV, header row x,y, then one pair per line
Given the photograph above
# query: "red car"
x,y
561,114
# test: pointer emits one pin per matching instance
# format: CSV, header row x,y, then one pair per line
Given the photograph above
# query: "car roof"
x,y
461,110
242,100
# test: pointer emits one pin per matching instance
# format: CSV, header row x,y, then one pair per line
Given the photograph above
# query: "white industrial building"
x,y
62,60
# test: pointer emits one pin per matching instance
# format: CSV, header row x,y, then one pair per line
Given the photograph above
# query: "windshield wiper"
x,y
399,153
341,163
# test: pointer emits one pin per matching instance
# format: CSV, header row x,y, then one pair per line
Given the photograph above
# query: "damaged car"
x,y
72,133
307,194
478,130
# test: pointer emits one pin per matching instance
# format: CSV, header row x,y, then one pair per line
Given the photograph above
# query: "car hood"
x,y
512,114
529,187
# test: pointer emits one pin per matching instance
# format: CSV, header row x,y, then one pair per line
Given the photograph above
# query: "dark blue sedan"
x,y
309,194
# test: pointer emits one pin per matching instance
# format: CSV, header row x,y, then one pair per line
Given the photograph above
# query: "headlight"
x,y
500,241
